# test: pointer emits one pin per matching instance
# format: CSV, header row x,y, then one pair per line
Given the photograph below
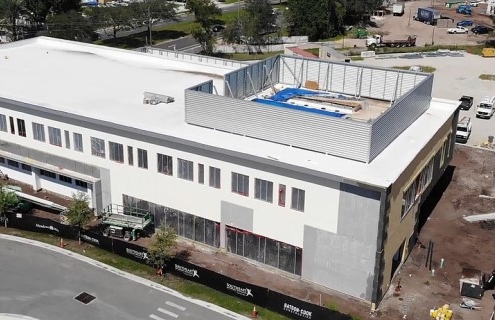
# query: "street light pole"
x,y
433,36
409,22
150,25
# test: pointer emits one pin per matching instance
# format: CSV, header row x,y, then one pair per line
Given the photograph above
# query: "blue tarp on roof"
x,y
300,108
288,93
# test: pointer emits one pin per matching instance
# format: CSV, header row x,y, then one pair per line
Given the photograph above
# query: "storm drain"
x,y
85,298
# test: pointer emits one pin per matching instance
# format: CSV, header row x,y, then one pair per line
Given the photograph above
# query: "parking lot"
x,y
454,77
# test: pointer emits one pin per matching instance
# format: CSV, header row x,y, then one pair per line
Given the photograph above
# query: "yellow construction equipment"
x,y
488,52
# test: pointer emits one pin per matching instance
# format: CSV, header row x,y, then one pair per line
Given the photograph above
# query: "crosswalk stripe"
x,y
176,306
152,316
168,312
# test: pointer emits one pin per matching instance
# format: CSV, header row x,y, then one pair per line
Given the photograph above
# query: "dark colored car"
x,y
481,30
465,23
218,28
466,102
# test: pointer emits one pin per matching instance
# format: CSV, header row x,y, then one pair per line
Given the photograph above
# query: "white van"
x,y
486,108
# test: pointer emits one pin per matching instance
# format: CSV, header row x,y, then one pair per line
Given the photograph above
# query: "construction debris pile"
x,y
443,313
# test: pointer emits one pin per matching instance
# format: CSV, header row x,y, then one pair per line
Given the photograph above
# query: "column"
x,y
35,178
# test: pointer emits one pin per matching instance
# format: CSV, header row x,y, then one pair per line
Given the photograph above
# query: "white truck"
x,y
486,108
398,9
463,130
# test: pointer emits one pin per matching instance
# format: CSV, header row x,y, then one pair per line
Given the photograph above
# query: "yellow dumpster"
x,y
488,52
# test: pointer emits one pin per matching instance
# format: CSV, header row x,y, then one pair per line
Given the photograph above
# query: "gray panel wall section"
x,y
351,79
252,79
290,127
72,165
236,216
345,261
395,120
206,87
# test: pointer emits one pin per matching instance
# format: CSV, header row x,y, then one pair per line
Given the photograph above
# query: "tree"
x,y
205,12
8,201
39,9
257,21
162,245
150,12
317,19
116,18
64,6
79,213
11,10
71,26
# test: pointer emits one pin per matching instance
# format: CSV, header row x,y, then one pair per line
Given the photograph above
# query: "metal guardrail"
x,y
193,57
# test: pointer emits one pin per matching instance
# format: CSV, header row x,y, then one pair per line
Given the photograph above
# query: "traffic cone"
x,y
255,313
61,243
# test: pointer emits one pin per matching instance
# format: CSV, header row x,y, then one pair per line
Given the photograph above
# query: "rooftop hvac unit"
x,y
155,98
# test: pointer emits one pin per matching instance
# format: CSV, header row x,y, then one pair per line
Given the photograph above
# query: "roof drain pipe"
x,y
252,84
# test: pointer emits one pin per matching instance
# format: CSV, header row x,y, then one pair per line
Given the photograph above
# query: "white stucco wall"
x,y
270,220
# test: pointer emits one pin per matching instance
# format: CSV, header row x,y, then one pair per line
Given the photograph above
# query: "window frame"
x,y
67,139
237,180
116,151
164,164
142,158
201,173
78,142
185,169
3,123
130,155
39,132
55,136
263,190
98,147
215,175
12,125
21,127
296,203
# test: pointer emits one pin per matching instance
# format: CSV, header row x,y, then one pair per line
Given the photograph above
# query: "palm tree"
x,y
11,10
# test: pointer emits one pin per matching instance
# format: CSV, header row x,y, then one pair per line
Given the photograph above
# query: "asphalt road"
x,y
188,44
40,283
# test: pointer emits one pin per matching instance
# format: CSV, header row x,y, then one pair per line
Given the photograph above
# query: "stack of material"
x,y
443,313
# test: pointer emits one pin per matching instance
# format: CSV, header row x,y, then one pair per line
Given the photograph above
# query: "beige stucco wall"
x,y
399,230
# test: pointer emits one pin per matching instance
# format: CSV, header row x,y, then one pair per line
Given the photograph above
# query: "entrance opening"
x,y
396,260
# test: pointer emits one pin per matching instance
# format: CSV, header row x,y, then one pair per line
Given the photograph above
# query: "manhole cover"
x,y
85,298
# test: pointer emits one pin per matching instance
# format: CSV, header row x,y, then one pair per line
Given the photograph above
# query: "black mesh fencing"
x,y
243,243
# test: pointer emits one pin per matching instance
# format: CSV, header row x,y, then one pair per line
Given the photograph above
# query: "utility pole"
x,y
409,22
150,25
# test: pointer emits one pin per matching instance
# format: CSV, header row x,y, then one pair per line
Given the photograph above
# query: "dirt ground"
x,y
459,243
400,27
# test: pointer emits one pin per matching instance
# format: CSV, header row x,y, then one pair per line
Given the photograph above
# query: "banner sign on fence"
x,y
263,297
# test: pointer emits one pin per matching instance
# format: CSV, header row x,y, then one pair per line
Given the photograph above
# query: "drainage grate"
x,y
85,298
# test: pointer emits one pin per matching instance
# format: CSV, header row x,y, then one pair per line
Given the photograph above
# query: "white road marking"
x,y
181,308
168,313
152,316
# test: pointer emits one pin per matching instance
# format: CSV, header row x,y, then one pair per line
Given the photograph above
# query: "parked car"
x,y
466,102
465,23
457,30
217,28
481,30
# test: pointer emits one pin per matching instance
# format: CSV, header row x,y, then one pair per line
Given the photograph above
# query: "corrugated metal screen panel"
x,y
391,82
351,83
339,137
366,82
399,117
313,72
324,75
408,81
377,84
337,78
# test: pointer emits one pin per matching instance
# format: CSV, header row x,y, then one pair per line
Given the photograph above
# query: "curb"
x,y
121,273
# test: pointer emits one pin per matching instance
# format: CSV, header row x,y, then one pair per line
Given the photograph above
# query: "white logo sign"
x,y
89,239
137,254
245,292
186,271
42,226
297,311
